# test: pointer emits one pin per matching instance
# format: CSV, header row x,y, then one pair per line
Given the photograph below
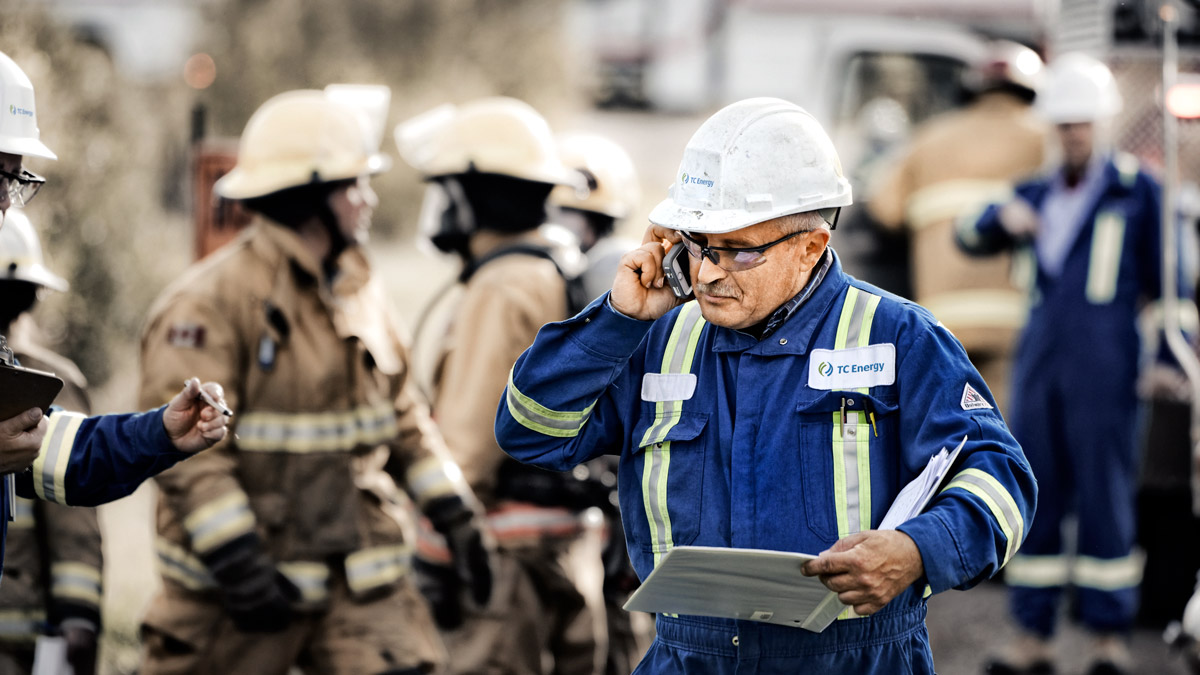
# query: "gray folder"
x,y
737,583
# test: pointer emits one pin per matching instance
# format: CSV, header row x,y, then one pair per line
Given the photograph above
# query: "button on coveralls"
x,y
1076,409
753,453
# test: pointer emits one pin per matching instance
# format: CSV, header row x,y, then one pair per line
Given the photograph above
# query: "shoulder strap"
x,y
576,295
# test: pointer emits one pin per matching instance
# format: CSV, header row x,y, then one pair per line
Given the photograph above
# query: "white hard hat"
x,y
612,182
497,135
21,253
1079,89
18,115
751,162
301,137
1008,63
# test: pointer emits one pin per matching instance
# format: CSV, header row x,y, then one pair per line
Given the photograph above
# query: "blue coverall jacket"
x,y
86,461
1075,406
726,440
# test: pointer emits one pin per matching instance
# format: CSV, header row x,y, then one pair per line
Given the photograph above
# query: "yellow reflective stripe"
x,y
1104,264
537,417
50,467
266,431
182,566
852,452
998,500
656,458
375,567
219,521
1185,313
1127,168
21,625
1037,571
927,592
76,581
945,200
433,477
1112,574
311,578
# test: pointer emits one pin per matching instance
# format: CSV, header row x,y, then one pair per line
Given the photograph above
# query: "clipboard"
x,y
25,388
738,583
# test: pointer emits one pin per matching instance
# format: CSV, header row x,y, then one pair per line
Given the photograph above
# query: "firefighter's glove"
x,y
470,547
441,587
258,597
81,646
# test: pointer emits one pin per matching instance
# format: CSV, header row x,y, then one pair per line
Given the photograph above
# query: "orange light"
x,y
200,71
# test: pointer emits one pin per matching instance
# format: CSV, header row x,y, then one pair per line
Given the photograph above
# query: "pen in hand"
x,y
214,403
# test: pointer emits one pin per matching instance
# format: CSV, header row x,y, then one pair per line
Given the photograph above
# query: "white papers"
x,y
50,656
737,583
759,585
915,496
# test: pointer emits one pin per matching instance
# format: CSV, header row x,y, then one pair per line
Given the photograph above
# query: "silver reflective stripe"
x,y
1002,506
373,568
433,477
220,521
1037,571
77,581
266,431
656,458
850,454
182,567
533,415
21,625
1109,574
50,468
312,578
1104,263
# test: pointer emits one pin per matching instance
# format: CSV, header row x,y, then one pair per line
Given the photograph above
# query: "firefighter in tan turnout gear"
x,y
289,544
52,573
491,164
957,163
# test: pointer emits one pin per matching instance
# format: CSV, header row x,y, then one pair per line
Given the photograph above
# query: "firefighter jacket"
x,y
1113,264
505,302
957,163
324,419
786,443
52,572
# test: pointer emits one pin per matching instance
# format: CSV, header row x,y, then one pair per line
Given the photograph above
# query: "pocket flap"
x,y
660,429
831,401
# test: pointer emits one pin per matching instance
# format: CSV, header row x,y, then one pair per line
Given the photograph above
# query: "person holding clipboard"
x,y
61,456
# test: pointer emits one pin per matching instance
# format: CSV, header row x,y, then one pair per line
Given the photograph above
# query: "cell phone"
x,y
678,271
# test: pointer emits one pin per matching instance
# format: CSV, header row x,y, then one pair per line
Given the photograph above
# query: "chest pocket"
x,y
671,464
838,432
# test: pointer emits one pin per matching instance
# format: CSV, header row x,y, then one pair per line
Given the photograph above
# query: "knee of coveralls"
x,y
890,642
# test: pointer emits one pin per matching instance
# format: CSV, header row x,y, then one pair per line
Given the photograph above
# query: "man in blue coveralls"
x,y
782,409
1093,226
76,460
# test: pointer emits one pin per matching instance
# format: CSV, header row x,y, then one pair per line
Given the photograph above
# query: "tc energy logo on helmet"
x,y
695,180
23,112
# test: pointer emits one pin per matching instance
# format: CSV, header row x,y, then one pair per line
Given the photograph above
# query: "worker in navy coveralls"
x,y
1092,224
782,409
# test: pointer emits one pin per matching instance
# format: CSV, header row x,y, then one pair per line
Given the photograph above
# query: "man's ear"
x,y
814,246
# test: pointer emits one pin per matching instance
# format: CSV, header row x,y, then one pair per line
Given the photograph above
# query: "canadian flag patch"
x,y
188,335
973,400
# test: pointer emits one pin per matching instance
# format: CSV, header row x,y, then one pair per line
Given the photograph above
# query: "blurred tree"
x,y
428,51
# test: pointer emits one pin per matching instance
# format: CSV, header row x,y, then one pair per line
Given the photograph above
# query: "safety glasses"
x,y
20,187
733,259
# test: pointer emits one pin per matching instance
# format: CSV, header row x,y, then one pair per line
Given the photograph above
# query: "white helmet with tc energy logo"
x,y
18,116
751,162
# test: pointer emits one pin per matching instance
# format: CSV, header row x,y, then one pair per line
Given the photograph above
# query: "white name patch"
x,y
852,368
668,386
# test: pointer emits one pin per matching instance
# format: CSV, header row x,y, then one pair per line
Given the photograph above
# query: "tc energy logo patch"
x,y
20,112
870,366
695,180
